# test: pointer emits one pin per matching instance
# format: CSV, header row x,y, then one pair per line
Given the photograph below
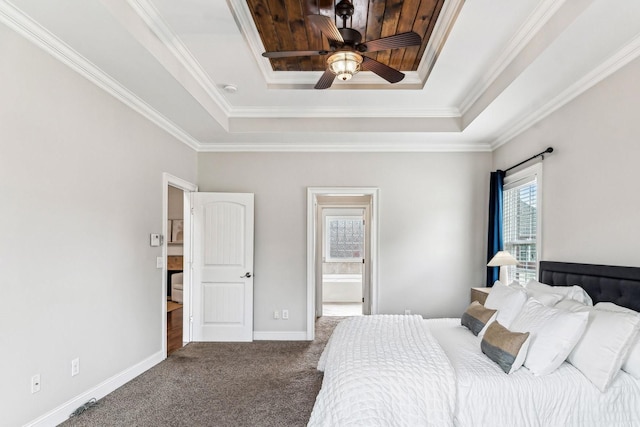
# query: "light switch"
x,y
159,262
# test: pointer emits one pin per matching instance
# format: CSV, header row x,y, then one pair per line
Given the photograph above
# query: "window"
x,y
345,239
521,219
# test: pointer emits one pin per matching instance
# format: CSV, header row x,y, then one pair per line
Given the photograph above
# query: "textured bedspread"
x,y
384,370
565,398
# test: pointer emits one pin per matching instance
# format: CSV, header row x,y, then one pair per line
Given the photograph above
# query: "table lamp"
x,y
502,259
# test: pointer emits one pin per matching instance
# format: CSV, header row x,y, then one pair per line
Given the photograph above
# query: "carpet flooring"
x,y
263,383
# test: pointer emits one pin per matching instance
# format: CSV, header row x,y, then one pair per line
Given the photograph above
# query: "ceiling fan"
x,y
346,49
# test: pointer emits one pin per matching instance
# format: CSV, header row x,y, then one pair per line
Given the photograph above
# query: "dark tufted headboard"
x,y
620,285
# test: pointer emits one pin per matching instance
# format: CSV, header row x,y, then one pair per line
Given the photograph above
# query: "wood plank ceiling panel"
x,y
299,34
426,18
375,20
405,24
282,25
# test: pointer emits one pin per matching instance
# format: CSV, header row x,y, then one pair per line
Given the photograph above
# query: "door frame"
x,y
187,188
312,245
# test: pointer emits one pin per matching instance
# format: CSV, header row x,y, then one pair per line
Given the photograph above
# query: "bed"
x,y
391,370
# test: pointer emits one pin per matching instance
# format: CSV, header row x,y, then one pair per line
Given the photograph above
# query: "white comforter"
x,y
384,370
486,396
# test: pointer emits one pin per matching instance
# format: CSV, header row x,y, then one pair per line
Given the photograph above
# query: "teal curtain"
x,y
494,240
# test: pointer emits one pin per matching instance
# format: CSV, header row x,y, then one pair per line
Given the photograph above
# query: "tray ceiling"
x,y
487,71
283,25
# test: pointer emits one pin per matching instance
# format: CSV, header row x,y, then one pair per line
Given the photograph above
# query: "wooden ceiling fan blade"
x,y
389,74
292,53
327,26
325,81
393,42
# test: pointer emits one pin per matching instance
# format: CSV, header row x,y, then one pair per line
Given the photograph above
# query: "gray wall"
x,y
81,186
80,181
591,201
176,204
432,224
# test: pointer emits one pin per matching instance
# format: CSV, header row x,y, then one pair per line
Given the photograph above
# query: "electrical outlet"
x,y
35,383
159,262
75,366
407,311
276,314
285,314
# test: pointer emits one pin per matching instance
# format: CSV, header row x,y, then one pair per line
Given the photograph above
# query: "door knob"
x,y
247,274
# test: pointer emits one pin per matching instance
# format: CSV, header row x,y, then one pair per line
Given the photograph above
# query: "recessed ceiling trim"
x,y
364,79
536,20
346,125
444,24
342,112
152,18
22,24
302,79
242,15
612,64
372,147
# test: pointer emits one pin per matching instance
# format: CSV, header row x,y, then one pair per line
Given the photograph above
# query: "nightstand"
x,y
479,294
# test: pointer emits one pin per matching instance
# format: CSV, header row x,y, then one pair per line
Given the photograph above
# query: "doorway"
x,y
175,268
325,205
176,253
341,231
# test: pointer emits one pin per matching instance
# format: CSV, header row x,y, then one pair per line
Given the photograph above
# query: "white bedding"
x,y
384,370
486,396
406,371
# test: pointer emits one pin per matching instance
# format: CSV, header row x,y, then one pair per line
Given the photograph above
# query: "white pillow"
x,y
605,345
574,292
632,364
614,307
571,305
547,298
554,333
507,300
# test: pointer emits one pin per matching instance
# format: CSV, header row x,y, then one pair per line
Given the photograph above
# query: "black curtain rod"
x,y
548,150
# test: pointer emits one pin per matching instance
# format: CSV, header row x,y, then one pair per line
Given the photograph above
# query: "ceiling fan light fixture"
x,y
344,64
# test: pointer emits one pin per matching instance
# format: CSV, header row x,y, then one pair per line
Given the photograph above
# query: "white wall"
x,y
81,189
591,201
432,224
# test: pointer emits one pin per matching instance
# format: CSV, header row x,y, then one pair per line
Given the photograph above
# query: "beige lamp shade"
x,y
502,258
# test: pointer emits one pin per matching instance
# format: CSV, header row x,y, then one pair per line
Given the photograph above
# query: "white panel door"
x,y
222,267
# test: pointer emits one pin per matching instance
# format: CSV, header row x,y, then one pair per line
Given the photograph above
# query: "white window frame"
x,y
519,178
327,230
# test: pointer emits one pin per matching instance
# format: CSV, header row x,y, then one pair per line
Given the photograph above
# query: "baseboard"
x,y
280,336
61,413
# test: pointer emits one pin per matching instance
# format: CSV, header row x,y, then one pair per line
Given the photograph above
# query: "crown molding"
x,y
242,15
441,30
369,147
150,15
622,57
536,20
22,24
344,111
363,80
